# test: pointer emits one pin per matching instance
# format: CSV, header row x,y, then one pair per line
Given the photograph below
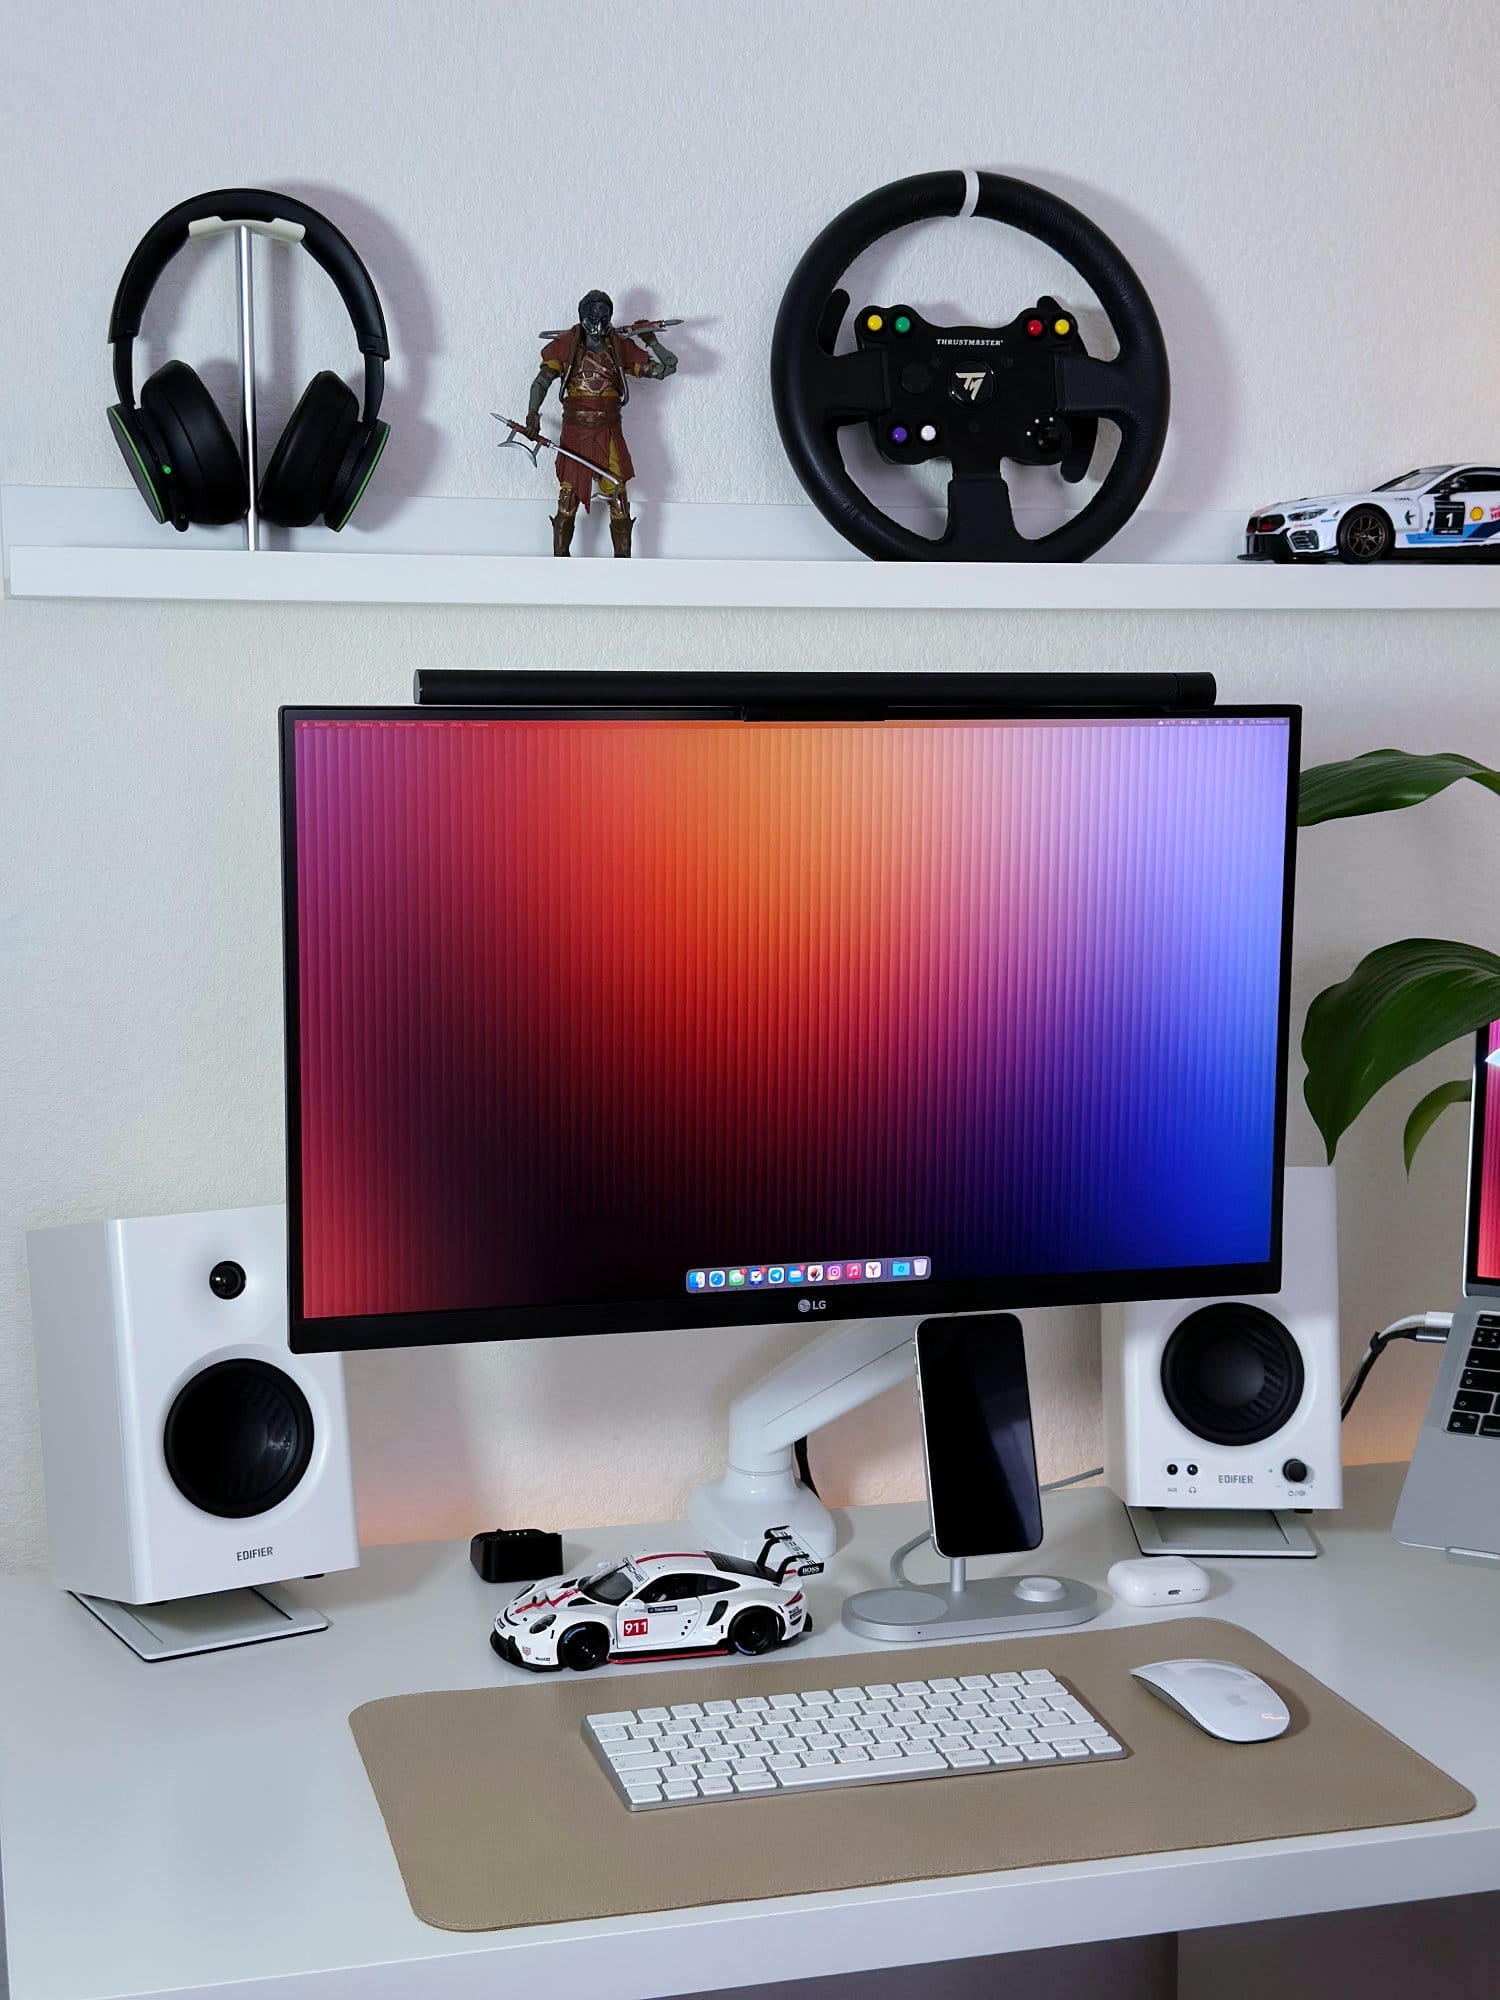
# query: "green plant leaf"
x,y
1384,781
1427,1111
1398,1005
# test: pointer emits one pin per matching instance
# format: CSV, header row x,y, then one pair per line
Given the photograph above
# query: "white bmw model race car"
x,y
1436,508
663,1606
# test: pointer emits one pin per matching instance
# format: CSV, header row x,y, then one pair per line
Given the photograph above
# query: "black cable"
x,y
1378,1344
1425,1327
804,1470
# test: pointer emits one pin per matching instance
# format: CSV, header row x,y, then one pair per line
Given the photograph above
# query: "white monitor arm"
x,y
852,1361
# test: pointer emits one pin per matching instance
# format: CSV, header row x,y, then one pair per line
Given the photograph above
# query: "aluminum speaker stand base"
x,y
1220,1531
185,1625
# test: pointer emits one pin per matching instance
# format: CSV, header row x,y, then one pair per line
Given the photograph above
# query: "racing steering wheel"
x,y
1028,391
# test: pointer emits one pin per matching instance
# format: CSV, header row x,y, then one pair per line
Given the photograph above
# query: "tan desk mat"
x,y
500,1815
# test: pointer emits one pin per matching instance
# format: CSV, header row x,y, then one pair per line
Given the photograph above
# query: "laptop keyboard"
x,y
1476,1401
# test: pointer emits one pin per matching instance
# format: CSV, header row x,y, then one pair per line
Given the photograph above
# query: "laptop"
x,y
1451,1499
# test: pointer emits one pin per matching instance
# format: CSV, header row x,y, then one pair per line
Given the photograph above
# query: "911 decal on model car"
x,y
669,1604
1438,508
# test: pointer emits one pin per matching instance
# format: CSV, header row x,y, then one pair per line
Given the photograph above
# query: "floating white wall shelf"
x,y
86,543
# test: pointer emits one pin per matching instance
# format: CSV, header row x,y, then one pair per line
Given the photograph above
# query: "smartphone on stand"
x,y
976,1436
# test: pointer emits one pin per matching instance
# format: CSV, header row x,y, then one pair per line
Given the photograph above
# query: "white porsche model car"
x,y
669,1605
1436,508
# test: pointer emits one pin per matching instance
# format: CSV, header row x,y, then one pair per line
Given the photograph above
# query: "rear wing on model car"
x,y
798,1559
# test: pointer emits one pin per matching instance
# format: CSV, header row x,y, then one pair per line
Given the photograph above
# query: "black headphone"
x,y
178,447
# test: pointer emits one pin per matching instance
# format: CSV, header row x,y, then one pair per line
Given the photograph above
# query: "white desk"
x,y
188,1826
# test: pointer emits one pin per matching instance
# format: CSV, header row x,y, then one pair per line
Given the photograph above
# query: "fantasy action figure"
x,y
591,364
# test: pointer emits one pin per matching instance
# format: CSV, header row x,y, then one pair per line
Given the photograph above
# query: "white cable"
x,y
1435,1323
898,1574
1073,1479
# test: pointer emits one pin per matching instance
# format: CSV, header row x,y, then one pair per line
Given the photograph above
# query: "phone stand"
x,y
960,1609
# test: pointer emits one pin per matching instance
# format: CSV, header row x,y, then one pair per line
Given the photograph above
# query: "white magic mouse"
x,y
1224,1700
1158,1580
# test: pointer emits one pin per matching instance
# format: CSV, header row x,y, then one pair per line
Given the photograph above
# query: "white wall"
x,y
1306,191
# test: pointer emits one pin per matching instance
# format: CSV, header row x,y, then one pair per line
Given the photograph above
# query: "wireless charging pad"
x,y
961,1609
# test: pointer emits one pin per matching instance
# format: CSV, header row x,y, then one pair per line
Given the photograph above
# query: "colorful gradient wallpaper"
x,y
1486,1246
583,1004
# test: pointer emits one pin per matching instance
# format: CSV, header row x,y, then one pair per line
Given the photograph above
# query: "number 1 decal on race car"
x,y
1448,517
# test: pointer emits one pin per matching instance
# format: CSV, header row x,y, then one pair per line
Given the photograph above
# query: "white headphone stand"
x,y
244,284
244,280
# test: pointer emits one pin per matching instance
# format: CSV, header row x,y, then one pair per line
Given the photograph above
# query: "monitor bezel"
x,y
1476,1287
695,697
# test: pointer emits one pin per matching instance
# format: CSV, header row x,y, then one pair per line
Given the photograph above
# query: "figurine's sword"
x,y
632,330
532,446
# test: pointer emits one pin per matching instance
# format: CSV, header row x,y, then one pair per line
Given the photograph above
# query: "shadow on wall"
x,y
410,1419
1205,410
654,467
643,1417
560,1433
412,323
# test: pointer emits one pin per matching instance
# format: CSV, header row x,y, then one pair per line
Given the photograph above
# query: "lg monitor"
x,y
700,1002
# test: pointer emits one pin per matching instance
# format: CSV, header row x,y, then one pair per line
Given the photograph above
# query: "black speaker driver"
x,y
238,1438
1232,1373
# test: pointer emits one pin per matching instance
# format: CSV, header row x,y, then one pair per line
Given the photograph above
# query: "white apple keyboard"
x,y
889,1730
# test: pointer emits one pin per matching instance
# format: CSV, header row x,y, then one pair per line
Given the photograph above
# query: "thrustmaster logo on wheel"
x,y
974,386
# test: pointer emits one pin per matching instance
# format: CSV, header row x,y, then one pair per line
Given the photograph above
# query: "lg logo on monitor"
x,y
812,1305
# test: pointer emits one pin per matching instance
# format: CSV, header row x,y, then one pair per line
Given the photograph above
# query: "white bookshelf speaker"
x,y
185,1449
1234,1403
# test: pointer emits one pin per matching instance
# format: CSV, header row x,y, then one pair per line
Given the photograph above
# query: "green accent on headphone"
x,y
385,432
161,512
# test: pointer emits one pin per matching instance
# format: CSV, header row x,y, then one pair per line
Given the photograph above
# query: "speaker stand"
x,y
1220,1531
182,1626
